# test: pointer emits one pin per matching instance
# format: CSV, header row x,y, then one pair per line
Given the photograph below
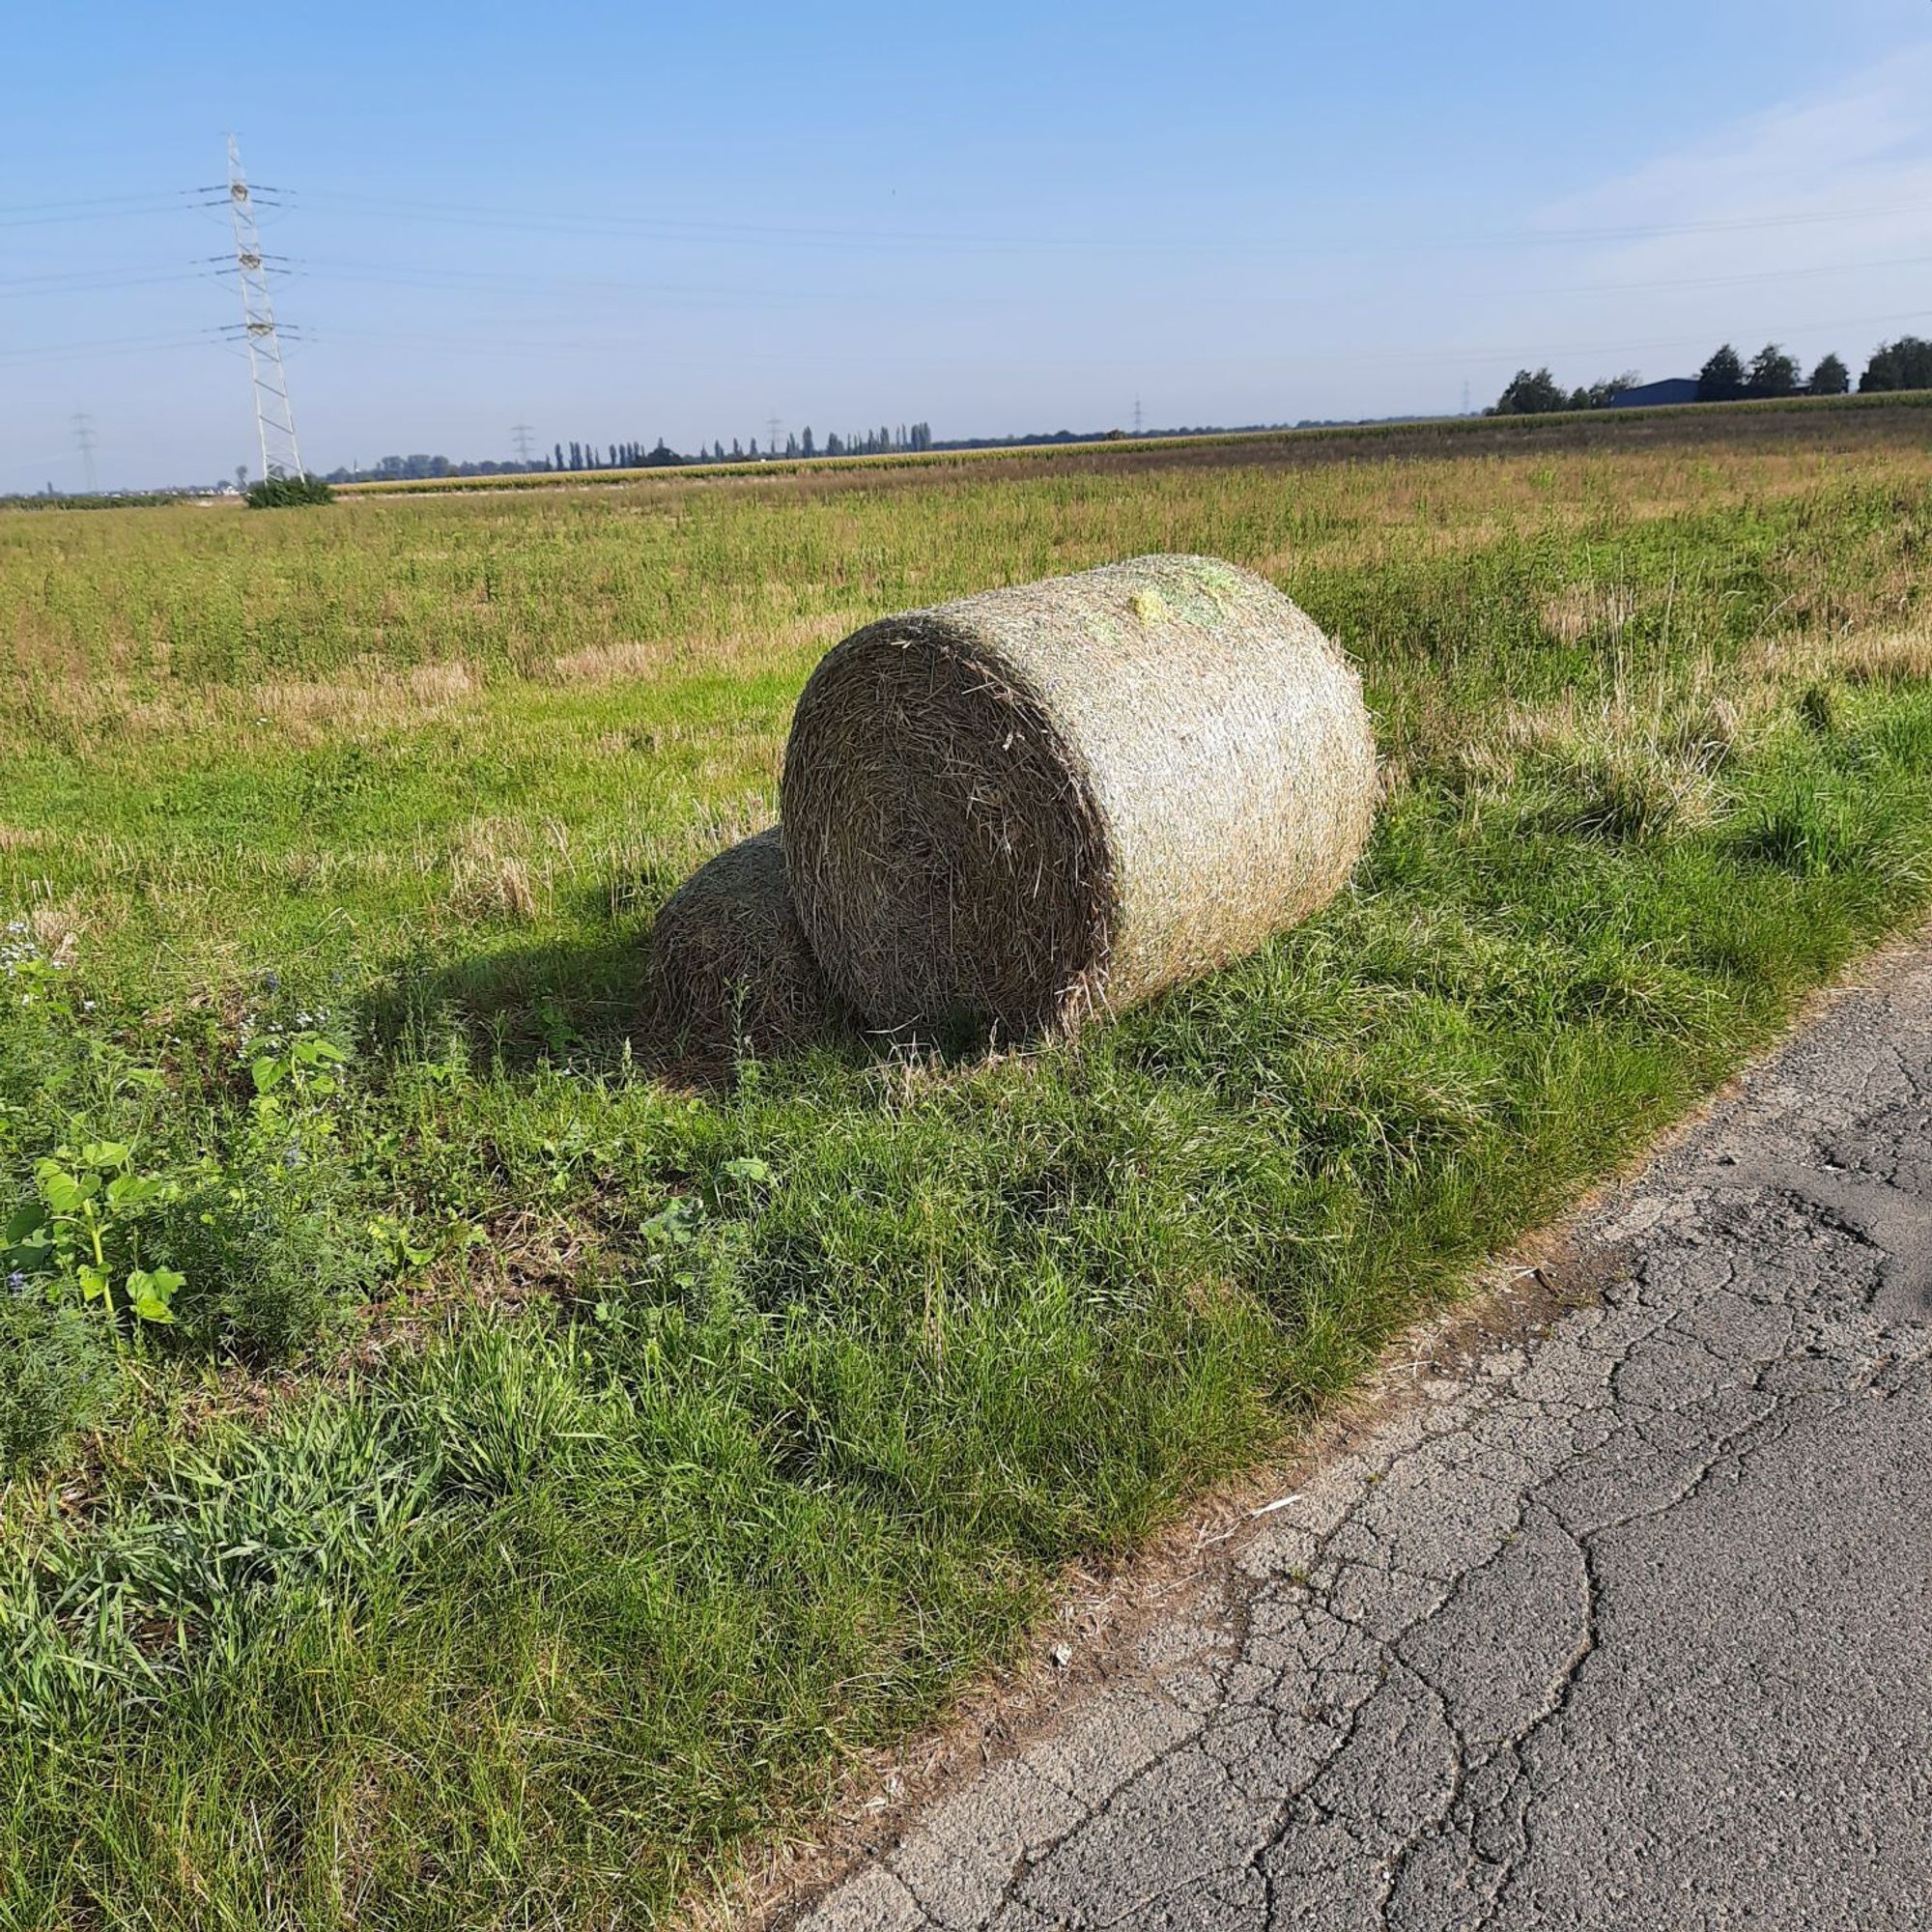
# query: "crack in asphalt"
x,y
1626,1623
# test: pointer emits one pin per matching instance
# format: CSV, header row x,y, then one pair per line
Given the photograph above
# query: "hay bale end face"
x,y
728,959
1040,801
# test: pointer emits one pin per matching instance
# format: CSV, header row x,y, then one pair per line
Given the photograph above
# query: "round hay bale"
x,y
1016,808
731,963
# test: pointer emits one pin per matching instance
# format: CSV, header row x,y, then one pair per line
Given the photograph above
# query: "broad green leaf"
x,y
62,1191
106,1154
25,1222
150,1291
93,1281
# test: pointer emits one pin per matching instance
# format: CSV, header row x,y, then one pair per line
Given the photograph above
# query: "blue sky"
x,y
633,221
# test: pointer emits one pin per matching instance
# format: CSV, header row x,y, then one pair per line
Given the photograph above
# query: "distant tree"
x,y
752,452
1722,380
1904,365
1771,372
835,444
240,479
737,450
805,443
1530,392
792,445
1600,395
557,454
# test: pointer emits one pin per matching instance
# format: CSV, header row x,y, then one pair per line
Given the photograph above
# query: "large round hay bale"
x,y
732,966
1042,800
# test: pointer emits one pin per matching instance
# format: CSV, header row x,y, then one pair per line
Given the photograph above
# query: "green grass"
x,y
553,1475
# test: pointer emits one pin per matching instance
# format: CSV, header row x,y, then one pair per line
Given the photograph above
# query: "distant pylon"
x,y
83,434
1137,415
275,418
522,433
772,424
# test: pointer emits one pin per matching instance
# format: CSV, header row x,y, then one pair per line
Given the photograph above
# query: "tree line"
x,y
567,457
1727,378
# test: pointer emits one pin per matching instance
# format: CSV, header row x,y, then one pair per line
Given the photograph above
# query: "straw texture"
x,y
1039,801
730,964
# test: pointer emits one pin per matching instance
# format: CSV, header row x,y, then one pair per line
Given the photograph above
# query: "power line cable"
x,y
765,233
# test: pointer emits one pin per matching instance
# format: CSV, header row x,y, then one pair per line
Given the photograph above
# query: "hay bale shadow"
x,y
720,974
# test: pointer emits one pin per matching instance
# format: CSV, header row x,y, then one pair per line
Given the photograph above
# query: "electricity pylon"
x,y
274,417
83,436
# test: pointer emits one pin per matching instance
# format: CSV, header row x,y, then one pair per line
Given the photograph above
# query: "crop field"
x,y
465,1466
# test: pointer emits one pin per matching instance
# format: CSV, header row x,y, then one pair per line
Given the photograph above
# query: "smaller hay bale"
x,y
729,960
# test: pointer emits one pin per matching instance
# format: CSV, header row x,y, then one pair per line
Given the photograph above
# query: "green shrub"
x,y
284,493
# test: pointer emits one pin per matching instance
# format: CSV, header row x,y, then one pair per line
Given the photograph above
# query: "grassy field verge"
x,y
552,1474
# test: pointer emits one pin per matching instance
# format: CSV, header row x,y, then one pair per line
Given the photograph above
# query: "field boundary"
x,y
1446,427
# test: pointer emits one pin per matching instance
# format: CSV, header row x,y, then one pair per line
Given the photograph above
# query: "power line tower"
x,y
83,436
1137,415
772,424
522,433
275,418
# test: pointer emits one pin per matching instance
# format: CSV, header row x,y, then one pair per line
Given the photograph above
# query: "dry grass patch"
x,y
1891,657
489,878
1581,610
57,926
373,700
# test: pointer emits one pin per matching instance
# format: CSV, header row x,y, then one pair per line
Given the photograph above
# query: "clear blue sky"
x,y
641,221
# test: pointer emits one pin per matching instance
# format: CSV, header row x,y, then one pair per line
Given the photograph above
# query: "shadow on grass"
x,y
590,1002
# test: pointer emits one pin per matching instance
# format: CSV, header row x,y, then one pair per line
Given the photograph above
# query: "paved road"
x,y
1628,1624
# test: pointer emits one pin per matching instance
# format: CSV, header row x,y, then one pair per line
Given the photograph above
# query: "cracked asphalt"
x,y
1627,1624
